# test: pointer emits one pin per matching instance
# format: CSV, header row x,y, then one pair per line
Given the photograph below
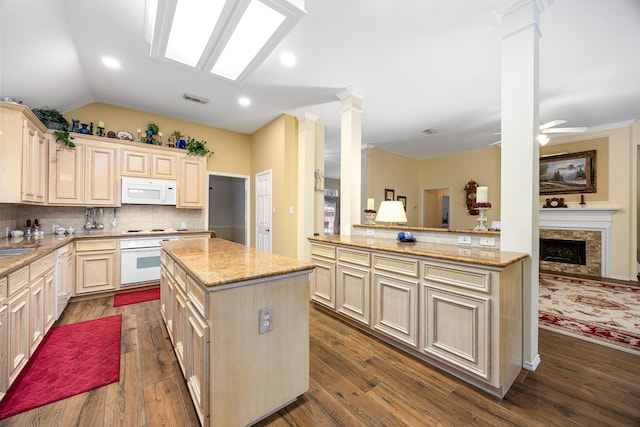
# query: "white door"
x,y
263,211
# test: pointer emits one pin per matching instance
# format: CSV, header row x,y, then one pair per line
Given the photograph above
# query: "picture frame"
x,y
389,194
570,173
403,199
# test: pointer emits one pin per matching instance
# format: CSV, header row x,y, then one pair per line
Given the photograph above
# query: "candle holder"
x,y
482,219
370,216
100,131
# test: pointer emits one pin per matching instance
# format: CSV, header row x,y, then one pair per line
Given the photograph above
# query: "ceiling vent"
x,y
430,131
196,99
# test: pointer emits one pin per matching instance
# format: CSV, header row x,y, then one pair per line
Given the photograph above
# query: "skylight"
x,y
229,38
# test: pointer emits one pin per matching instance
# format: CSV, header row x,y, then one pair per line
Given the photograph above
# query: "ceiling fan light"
x,y
543,139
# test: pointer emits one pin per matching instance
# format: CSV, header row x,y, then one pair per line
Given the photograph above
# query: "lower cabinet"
x,y
36,313
4,333
353,288
179,327
50,300
465,318
396,308
18,351
97,266
197,366
457,329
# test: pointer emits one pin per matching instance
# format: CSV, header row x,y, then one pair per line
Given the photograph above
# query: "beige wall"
x,y
396,172
274,147
482,166
232,150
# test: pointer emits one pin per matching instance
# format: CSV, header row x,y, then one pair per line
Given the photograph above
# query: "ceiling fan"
x,y
549,128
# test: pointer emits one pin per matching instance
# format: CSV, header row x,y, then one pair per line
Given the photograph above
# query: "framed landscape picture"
x,y
389,194
568,173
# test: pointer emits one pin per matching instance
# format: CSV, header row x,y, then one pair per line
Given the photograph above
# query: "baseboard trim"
x,y
533,365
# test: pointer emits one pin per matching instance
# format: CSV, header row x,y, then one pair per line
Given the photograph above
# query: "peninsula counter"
x,y
238,319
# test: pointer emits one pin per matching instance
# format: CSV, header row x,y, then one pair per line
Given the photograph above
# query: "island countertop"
x,y
217,262
475,255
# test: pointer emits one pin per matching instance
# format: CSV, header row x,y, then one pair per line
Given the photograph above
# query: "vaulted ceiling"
x,y
418,64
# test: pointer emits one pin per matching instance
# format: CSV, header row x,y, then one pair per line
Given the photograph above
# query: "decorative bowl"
x,y
17,233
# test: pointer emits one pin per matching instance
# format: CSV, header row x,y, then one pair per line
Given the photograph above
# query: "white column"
x,y
306,182
350,160
520,158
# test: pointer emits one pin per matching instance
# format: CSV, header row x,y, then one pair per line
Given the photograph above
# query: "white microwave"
x,y
145,191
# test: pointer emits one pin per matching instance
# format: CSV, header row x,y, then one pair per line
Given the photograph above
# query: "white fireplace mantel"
x,y
596,219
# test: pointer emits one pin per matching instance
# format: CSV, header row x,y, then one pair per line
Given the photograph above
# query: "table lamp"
x,y
391,211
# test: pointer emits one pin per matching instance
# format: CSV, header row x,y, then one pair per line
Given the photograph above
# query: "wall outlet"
x,y
265,319
488,241
464,252
370,232
464,240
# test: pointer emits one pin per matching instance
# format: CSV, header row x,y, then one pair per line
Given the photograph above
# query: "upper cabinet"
x,y
148,163
191,182
23,156
85,175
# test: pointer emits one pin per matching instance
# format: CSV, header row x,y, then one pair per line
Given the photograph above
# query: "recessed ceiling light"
x,y
245,102
111,62
287,59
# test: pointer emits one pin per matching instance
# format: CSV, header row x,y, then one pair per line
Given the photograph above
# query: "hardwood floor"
x,y
356,380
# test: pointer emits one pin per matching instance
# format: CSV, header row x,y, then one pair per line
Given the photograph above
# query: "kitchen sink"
x,y
15,251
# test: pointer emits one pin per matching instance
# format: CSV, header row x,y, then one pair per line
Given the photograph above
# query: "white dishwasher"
x,y
140,259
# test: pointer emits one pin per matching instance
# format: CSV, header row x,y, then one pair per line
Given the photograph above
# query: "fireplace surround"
x,y
591,225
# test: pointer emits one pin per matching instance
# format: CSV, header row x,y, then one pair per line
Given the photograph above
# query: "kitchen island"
x,y
238,319
458,308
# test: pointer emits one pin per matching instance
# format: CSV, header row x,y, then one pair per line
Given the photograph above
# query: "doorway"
x,y
263,210
436,210
229,207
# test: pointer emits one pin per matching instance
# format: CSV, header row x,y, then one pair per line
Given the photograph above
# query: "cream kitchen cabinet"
x,y
353,285
18,348
461,316
191,182
85,175
180,319
323,278
148,164
395,299
42,294
473,321
23,156
197,365
4,328
97,265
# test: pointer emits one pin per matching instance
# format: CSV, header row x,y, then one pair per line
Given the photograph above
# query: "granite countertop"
x,y
51,242
473,255
216,262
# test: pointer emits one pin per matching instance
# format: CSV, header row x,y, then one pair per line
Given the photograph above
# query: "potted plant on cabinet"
x,y
52,119
197,148
63,137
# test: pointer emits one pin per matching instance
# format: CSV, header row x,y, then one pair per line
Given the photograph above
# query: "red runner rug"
x,y
136,297
71,359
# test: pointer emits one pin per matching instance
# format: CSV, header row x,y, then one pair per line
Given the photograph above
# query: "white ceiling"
x,y
418,64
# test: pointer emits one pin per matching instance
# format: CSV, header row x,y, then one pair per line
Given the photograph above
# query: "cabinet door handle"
x,y
267,230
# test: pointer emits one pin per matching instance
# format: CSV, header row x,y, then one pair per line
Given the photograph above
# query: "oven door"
x,y
139,266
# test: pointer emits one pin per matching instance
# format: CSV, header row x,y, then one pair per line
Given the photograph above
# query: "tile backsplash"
x,y
141,217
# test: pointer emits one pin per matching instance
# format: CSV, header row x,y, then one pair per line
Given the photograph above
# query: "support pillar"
x,y
350,161
520,158
306,182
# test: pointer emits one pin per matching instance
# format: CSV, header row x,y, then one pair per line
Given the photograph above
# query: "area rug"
x,y
598,311
71,359
136,297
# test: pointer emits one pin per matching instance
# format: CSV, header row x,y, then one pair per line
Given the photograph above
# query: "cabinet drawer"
x,y
196,295
323,251
3,289
96,245
36,268
181,277
469,278
354,257
405,266
18,280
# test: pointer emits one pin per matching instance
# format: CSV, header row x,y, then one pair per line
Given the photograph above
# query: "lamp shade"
x,y
391,211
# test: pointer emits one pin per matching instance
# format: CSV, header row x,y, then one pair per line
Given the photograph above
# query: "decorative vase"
x,y
84,129
182,144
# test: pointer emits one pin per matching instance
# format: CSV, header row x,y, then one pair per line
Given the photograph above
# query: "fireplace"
x,y
564,251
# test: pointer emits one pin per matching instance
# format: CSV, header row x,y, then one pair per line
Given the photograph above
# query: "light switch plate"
x,y
488,241
464,240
